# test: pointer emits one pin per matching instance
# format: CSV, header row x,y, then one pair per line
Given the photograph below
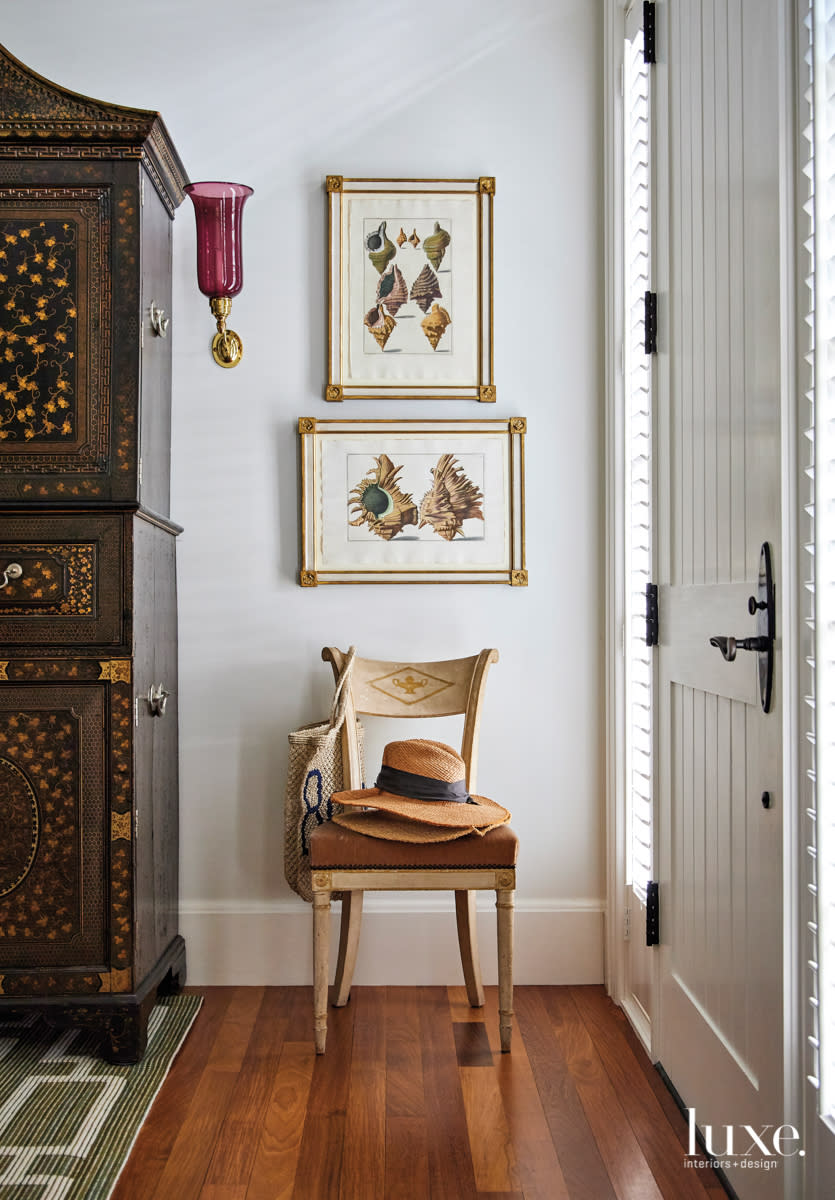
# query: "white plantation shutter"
x,y
638,464
821,555
807,499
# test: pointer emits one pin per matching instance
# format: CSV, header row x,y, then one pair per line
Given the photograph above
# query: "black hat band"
x,y
419,787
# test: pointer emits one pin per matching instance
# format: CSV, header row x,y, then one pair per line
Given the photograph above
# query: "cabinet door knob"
x,y
157,699
12,571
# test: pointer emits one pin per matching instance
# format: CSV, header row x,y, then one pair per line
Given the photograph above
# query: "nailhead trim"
x,y
468,866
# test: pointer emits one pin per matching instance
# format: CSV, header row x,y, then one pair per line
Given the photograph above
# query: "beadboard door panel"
x,y
719,1028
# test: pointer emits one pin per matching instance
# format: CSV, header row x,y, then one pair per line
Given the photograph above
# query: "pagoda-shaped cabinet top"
x,y
87,196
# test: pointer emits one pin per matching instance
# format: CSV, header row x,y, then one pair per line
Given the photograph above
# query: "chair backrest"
x,y
412,689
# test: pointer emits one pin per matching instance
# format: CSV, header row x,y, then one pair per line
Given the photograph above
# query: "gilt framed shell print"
x,y
410,296
413,501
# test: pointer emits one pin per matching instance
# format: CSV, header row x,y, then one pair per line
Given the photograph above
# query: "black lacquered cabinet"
x,y
88,620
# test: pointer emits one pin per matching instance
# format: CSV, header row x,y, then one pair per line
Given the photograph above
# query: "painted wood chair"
x,y
343,860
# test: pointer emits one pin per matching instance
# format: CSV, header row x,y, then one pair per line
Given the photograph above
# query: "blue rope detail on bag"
x,y
315,809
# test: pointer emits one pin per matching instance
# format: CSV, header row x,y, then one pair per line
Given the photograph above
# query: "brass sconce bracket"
x,y
227,347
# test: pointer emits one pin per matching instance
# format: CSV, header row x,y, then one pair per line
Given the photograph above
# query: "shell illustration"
x,y
425,289
380,503
435,245
401,237
380,248
451,499
392,290
414,240
380,324
435,324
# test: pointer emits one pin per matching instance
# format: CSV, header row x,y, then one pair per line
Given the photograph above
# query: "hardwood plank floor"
x,y
412,1101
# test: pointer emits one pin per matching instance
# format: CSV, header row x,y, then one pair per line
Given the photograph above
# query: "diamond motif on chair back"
x,y
410,685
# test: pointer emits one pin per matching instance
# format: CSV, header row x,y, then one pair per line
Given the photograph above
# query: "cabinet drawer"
x,y
69,591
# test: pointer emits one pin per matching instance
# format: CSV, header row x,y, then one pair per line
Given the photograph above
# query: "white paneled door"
x,y
719,1023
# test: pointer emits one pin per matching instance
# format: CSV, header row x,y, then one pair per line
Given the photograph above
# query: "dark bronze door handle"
x,y
730,645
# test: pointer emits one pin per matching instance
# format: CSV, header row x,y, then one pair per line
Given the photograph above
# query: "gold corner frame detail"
x,y
518,425
117,981
120,826
333,393
487,393
487,185
116,670
307,424
333,183
308,579
518,578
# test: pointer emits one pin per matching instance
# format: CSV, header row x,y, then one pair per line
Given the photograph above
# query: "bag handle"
x,y
340,693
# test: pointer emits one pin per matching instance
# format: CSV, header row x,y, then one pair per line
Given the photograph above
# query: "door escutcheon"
x,y
761,605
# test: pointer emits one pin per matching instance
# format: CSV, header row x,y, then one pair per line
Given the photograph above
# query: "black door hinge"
x,y
652,614
650,322
652,914
649,32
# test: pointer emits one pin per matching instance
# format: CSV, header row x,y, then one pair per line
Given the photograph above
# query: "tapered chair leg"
x,y
504,930
468,945
349,940
321,938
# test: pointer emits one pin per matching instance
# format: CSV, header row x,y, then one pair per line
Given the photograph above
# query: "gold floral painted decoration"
x,y
21,826
40,750
38,329
60,579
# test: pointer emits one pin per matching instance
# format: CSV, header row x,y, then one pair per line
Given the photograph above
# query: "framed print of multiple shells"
x,y
410,312
413,501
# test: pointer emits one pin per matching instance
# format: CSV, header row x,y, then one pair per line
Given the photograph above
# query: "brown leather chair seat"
x,y
332,847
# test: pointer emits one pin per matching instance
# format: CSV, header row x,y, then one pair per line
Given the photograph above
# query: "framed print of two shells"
x,y
435,501
410,312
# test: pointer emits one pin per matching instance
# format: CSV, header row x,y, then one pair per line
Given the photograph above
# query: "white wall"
x,y
277,95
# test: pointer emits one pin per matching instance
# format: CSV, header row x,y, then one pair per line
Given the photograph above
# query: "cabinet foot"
x,y
119,1021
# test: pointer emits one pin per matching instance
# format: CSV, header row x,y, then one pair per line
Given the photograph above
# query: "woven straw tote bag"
x,y
313,775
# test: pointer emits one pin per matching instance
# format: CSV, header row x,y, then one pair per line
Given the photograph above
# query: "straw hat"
x,y
421,796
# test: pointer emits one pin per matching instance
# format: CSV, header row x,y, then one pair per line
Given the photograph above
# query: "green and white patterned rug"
x,y
68,1120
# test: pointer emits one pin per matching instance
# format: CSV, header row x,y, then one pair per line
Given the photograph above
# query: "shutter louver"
x,y
824,541
638,464
806,484
819,553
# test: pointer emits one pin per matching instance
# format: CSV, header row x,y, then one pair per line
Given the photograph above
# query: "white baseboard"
x,y
402,943
639,1020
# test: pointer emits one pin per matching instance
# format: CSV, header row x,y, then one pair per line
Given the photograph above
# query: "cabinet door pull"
x,y
157,699
159,321
12,571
